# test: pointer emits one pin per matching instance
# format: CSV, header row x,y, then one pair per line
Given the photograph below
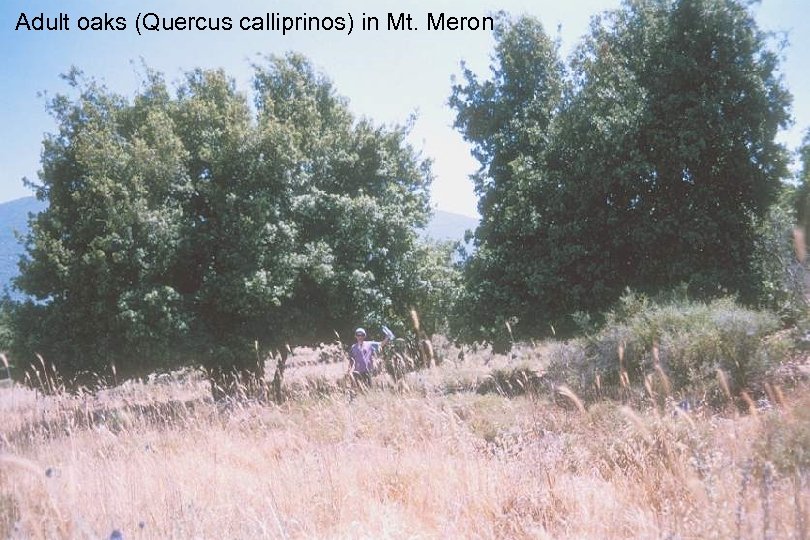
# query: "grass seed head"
x,y
571,396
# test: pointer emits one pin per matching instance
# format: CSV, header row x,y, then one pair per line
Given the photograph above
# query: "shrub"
x,y
569,365
690,341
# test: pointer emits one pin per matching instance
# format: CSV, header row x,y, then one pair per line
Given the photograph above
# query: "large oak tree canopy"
x,y
186,224
644,162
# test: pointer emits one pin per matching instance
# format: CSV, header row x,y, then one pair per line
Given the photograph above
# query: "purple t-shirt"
x,y
363,355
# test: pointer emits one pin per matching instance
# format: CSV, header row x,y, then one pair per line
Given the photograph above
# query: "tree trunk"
x,y
278,378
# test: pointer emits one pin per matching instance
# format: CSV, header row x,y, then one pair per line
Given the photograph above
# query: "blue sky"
x,y
386,75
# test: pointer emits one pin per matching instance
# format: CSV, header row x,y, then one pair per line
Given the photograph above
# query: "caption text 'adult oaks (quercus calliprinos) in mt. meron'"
x,y
151,22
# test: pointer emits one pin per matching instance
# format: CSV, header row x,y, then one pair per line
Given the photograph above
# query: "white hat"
x,y
360,331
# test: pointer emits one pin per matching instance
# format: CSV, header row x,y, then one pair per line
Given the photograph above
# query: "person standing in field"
x,y
361,357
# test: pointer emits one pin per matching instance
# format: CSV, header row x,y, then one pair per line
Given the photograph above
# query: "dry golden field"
x,y
426,457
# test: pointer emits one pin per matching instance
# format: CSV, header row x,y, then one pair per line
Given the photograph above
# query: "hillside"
x,y
14,217
449,226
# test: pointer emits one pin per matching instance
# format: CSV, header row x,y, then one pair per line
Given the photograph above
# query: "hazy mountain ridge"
x,y
449,226
442,226
14,219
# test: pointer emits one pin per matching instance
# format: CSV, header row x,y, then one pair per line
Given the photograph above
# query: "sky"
x,y
387,75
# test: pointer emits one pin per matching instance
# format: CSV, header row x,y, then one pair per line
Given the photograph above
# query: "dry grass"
x,y
419,458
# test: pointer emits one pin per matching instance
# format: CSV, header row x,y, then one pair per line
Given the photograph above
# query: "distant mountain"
x,y
449,226
14,217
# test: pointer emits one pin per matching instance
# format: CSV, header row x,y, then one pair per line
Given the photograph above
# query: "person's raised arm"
x,y
389,336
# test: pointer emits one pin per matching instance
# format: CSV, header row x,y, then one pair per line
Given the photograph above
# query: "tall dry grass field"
x,y
422,458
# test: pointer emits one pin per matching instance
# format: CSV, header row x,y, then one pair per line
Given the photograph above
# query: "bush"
x,y
690,341
569,365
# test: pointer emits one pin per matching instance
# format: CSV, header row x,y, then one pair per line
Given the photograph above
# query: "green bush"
x,y
693,339
569,365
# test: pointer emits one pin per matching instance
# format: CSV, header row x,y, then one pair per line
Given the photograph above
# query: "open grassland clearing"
x,y
420,457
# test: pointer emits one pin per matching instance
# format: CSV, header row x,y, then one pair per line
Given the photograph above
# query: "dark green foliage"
x,y
507,120
679,102
647,166
803,192
188,226
775,267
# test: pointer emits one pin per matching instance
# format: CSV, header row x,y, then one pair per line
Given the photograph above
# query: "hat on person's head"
x,y
360,332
